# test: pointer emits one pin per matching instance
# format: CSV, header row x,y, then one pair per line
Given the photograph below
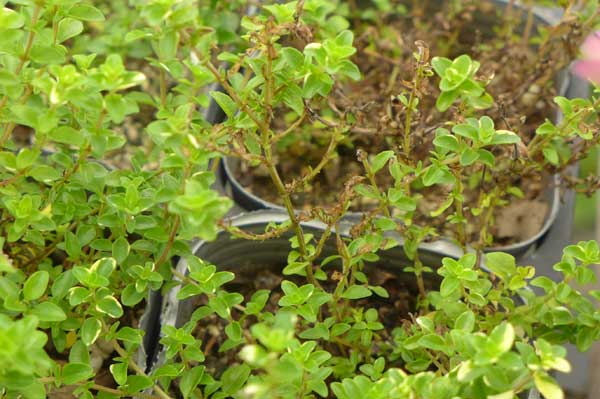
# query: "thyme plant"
x,y
107,165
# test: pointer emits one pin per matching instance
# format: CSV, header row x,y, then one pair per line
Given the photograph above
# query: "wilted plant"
x,y
86,235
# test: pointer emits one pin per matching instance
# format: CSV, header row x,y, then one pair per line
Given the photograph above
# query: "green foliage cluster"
x,y
85,237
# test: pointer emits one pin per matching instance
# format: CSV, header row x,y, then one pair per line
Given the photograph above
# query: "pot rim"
x,y
442,247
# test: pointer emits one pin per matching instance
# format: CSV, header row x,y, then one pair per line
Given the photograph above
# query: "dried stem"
x,y
266,134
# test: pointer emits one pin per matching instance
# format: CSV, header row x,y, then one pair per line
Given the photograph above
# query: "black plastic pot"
x,y
567,85
247,256
239,255
151,325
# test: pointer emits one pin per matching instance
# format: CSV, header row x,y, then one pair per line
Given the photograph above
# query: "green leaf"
x,y
500,263
68,28
468,157
167,45
110,306
118,106
130,296
72,245
292,97
505,137
90,331
449,286
501,339
547,386
190,380
447,142
315,83
445,205
120,249
62,284
119,372
466,321
43,173
293,57
10,19
26,158
466,130
440,64
356,292
381,159
7,78
446,99
463,65
486,157
76,372
36,285
546,128
86,12
48,311
48,54
128,334
257,302
67,135
551,155
379,291
225,102
433,341
585,339
234,378
282,12
435,174
504,395
385,224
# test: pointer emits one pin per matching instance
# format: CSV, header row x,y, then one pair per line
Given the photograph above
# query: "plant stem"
x,y
25,57
371,176
265,135
13,178
98,387
236,231
278,136
170,241
163,87
135,367
343,282
539,141
457,192
508,18
528,24
410,108
185,279
176,224
328,156
419,275
285,196
486,219
408,121
235,97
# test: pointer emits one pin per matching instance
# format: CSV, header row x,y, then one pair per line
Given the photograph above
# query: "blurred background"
x,y
584,381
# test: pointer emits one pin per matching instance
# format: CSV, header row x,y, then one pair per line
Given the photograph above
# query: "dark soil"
x,y
523,101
